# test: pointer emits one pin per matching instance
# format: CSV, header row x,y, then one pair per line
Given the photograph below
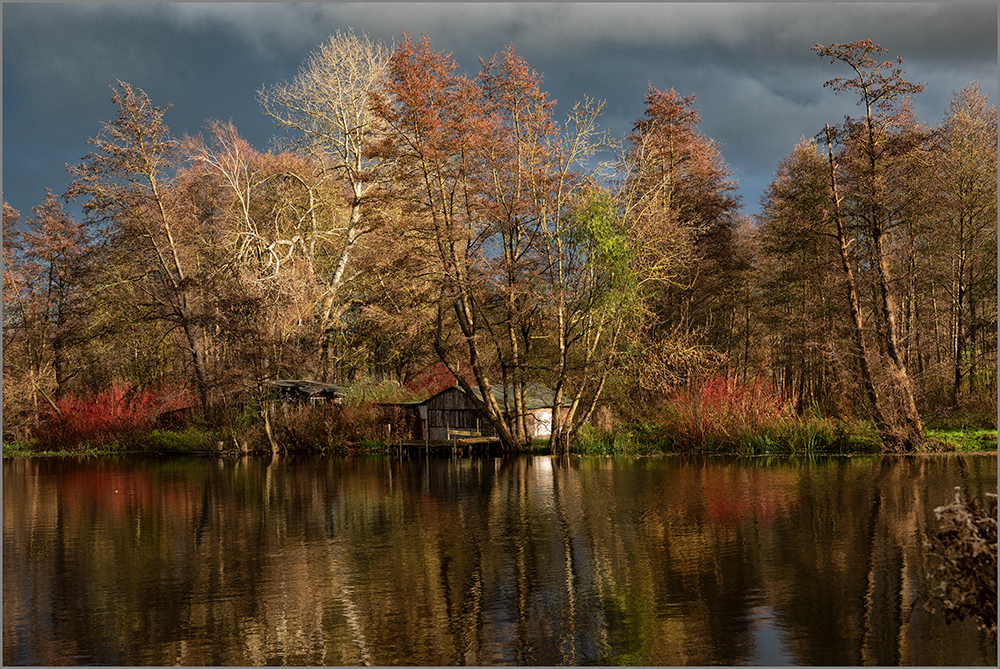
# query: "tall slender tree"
x,y
326,106
58,255
436,133
870,146
796,265
690,198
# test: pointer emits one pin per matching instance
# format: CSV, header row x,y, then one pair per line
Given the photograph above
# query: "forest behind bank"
x,y
415,227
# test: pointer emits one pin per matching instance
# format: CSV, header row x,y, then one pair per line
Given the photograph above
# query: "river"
x,y
482,561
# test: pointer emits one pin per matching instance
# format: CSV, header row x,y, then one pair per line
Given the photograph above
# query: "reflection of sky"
x,y
541,491
768,640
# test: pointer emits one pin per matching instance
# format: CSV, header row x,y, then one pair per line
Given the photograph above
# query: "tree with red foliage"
x,y
517,178
49,296
59,272
684,194
438,132
432,380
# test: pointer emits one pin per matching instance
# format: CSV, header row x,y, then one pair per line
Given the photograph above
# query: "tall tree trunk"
x,y
960,327
197,360
913,425
888,435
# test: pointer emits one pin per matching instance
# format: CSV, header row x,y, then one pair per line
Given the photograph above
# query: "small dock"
x,y
460,445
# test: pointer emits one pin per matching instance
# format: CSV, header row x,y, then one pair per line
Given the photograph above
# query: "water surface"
x,y
532,560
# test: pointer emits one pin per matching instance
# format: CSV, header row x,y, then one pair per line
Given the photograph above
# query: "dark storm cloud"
x,y
758,86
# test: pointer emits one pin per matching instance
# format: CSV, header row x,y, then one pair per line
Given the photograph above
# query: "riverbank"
x,y
638,441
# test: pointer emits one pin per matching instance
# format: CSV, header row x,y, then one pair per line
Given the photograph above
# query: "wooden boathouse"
x,y
451,413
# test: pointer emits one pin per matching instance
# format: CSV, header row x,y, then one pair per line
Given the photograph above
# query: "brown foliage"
x,y
337,427
128,184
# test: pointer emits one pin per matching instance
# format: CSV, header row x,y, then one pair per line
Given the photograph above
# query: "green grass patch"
x,y
33,448
192,439
960,440
811,434
806,435
16,449
591,440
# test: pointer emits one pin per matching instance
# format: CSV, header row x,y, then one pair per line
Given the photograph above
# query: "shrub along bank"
x,y
717,415
713,416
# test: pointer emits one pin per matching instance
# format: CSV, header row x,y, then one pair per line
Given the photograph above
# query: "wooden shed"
x,y
447,414
451,413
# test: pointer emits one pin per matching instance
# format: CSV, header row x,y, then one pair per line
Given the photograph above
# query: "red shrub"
x,y
718,410
119,413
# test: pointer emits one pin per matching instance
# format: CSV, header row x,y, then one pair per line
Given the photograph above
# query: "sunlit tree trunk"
x,y
857,330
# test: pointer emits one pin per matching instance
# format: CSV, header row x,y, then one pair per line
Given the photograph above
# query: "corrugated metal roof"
x,y
309,388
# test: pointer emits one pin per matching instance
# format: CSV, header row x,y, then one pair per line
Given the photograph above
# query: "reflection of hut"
x,y
452,413
307,392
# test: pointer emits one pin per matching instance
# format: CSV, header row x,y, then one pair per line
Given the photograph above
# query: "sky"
x,y
758,86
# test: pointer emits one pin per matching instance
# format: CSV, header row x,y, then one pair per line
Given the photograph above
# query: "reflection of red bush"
x,y
734,496
119,490
106,489
119,413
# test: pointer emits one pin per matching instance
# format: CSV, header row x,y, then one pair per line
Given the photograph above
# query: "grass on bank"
x,y
720,415
641,439
947,440
801,437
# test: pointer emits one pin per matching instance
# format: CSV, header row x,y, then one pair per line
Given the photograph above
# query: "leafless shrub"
x,y
966,548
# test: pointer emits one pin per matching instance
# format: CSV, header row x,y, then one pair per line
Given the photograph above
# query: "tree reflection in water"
x,y
539,561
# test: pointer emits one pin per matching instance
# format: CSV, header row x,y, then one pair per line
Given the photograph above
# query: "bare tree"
x,y
963,224
327,108
127,182
871,145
